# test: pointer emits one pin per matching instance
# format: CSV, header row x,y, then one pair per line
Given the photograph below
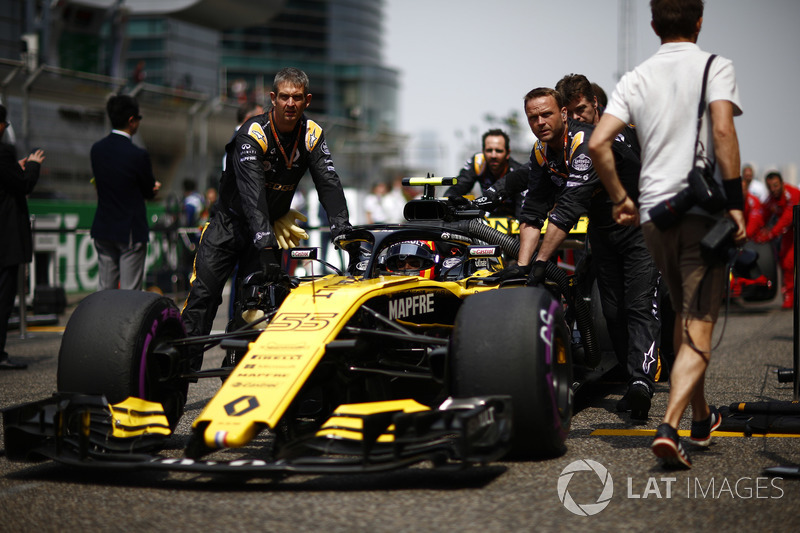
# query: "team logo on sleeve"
x,y
257,134
313,133
576,141
480,164
582,163
247,153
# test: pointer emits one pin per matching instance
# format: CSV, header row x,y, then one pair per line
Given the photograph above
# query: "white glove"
x,y
287,232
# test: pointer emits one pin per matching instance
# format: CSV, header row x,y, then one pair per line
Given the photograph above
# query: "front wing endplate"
x,y
80,430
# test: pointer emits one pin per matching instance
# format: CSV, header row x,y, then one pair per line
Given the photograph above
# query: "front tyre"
x,y
108,347
515,342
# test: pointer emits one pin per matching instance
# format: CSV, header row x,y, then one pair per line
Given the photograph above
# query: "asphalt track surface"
x,y
726,489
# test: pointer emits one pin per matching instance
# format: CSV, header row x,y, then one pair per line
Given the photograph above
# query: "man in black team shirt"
x,y
562,186
488,166
265,162
580,98
625,269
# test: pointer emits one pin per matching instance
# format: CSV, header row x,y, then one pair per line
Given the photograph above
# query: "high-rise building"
x,y
338,44
190,71
172,53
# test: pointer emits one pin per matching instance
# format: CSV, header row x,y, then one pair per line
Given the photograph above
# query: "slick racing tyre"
x,y
515,342
108,346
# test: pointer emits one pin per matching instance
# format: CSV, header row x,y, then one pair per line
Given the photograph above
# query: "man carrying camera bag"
x,y
689,181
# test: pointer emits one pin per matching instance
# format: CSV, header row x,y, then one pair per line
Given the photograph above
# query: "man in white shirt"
x,y
661,96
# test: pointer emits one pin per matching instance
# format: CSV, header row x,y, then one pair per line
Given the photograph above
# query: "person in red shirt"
x,y
778,213
753,213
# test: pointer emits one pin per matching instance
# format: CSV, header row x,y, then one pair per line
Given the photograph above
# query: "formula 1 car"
x,y
366,370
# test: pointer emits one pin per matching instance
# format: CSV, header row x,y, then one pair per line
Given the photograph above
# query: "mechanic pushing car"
x,y
488,166
627,276
265,162
562,174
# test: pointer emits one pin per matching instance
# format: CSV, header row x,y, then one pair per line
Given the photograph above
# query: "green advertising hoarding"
x,y
64,249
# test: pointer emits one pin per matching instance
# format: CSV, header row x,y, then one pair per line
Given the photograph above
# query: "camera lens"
x,y
669,212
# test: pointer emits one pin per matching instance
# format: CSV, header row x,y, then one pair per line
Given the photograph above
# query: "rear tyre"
x,y
515,342
108,347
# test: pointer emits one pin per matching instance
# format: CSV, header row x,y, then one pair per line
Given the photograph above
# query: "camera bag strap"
x,y
702,107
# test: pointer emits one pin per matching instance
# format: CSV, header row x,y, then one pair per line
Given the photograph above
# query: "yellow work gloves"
x,y
287,232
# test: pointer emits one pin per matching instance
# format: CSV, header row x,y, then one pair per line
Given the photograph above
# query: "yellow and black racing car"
x,y
416,353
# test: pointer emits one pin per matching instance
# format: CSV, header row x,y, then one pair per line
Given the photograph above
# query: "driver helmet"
x,y
412,258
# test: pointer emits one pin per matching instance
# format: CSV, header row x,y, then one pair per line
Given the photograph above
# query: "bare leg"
x,y
700,409
687,379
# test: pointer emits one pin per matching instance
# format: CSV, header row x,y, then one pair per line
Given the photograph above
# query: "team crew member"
x,y
661,96
753,212
582,105
627,277
563,185
486,168
265,162
778,213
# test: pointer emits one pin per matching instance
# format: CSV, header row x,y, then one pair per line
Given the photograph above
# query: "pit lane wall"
x,y
64,252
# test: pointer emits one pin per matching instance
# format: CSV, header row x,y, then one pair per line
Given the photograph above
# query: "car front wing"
x,y
86,431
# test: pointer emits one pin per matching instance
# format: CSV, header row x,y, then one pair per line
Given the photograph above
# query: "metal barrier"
x,y
66,257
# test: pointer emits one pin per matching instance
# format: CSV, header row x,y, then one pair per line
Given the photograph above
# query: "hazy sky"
x,y
462,59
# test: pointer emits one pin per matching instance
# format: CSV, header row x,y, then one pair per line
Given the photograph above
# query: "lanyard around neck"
x,y
566,159
288,160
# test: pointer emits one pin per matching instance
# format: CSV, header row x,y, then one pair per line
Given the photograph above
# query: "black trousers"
x,y
9,278
630,294
224,242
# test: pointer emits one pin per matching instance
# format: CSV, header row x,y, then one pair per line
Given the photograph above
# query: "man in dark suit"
x,y
124,179
17,179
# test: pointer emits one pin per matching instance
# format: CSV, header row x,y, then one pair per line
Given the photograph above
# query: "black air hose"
x,y
477,229
583,314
